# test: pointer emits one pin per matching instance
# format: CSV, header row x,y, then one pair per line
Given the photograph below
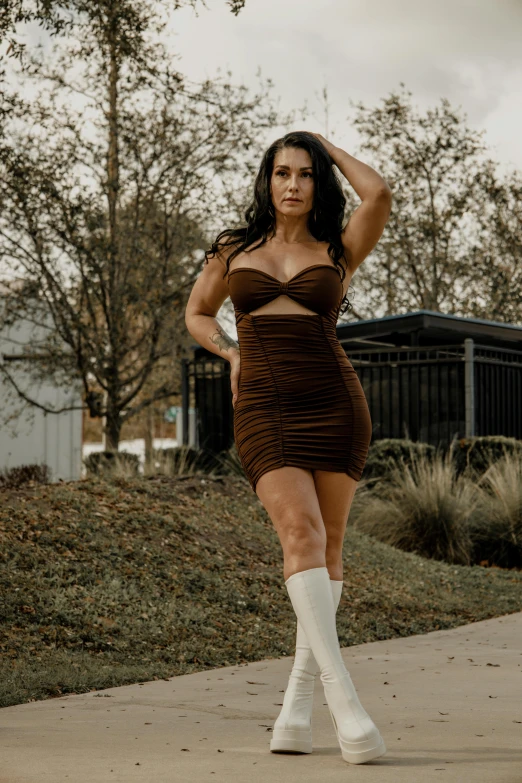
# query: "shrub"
x,y
12,478
229,462
387,454
424,507
184,460
475,455
103,463
497,531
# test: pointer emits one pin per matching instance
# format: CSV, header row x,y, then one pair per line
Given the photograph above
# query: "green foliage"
x,y
469,455
114,305
229,462
497,531
475,455
386,454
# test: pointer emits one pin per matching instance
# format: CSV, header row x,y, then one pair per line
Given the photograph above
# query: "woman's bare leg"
x,y
335,493
290,498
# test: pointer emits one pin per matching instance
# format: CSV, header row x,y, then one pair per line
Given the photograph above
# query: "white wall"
x,y
53,439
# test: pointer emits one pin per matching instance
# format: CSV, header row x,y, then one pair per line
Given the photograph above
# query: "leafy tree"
x,y
444,217
495,289
112,180
60,16
16,12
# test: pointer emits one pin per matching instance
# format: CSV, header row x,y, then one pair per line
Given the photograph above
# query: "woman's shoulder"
x,y
224,252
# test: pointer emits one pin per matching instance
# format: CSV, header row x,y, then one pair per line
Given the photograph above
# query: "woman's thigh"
x,y
309,510
335,493
290,499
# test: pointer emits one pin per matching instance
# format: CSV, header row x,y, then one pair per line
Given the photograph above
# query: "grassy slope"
x,y
106,584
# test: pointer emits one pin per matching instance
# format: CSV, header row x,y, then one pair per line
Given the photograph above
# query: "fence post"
x,y
185,400
469,387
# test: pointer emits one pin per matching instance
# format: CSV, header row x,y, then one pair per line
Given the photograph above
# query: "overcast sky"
x,y
469,51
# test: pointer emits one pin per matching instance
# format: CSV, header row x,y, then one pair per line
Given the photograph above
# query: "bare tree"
x,y
111,181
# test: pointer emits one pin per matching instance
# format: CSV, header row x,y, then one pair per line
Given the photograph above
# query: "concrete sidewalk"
x,y
448,704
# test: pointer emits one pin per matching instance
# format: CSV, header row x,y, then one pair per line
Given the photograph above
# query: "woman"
x,y
301,422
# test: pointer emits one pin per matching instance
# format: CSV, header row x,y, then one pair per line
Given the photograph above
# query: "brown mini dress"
x,y
299,399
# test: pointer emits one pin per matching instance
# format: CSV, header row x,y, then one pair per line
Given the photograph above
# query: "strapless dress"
x,y
299,399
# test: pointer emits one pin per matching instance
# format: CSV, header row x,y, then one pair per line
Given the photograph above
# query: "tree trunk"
x,y
112,429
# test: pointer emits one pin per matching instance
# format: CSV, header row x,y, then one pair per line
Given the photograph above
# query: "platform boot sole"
x,y
359,752
291,741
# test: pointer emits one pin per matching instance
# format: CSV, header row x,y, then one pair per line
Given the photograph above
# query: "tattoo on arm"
x,y
223,341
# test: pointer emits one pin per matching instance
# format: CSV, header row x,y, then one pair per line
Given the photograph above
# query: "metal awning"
x,y
425,327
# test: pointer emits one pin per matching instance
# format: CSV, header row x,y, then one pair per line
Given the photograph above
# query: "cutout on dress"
x,y
290,307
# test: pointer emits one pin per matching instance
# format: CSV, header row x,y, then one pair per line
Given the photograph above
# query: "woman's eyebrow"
x,y
283,166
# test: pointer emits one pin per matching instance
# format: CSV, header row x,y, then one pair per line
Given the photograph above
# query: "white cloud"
x,y
466,50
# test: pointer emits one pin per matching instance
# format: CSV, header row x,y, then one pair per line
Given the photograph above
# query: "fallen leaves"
x,y
112,583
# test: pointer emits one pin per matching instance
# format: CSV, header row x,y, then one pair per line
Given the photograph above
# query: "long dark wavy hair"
x,y
325,219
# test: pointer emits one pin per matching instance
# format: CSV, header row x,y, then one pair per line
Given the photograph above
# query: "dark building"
x,y
426,376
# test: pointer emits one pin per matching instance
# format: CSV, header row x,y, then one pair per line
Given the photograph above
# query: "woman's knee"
x,y
303,534
334,550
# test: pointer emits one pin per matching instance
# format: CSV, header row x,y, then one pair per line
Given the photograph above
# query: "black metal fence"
x,y
430,394
206,389
497,391
413,392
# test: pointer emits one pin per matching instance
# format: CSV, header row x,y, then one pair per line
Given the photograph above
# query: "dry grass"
x,y
421,507
163,465
186,461
497,530
107,583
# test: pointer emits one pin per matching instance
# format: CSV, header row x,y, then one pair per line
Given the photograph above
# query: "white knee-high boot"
x,y
311,597
293,730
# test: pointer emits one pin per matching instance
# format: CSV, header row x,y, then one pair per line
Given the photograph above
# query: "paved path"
x,y
448,704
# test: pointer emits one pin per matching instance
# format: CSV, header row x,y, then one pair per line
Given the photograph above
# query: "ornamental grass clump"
x,y
421,507
188,461
229,463
497,530
115,464
177,461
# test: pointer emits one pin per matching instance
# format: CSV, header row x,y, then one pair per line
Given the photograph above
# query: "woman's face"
x,y
292,178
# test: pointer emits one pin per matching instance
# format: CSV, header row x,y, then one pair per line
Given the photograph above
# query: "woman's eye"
x,y
305,173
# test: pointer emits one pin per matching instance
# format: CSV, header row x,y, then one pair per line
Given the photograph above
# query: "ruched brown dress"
x,y
299,399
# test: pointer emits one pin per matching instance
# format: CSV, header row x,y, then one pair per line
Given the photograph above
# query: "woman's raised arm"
x,y
367,222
